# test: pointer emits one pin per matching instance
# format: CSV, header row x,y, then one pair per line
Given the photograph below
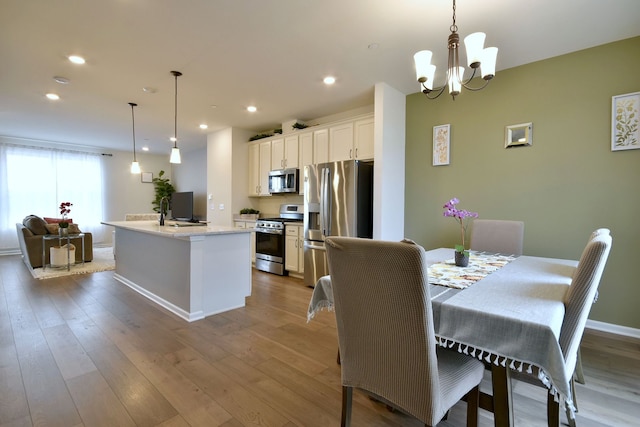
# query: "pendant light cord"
x,y
133,120
176,74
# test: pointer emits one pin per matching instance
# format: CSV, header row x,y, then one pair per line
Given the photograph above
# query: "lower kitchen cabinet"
x,y
294,249
251,225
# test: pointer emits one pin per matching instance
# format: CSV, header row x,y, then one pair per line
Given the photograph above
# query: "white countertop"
x,y
171,230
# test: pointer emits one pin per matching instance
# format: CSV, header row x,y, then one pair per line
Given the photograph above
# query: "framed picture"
x,y
146,177
625,118
441,144
518,135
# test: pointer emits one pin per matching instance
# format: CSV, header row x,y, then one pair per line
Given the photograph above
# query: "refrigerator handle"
x,y
322,191
326,200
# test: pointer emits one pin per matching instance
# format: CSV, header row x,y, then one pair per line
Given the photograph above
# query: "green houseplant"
x,y
163,188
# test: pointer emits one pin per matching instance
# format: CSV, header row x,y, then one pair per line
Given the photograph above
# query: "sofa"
x,y
30,235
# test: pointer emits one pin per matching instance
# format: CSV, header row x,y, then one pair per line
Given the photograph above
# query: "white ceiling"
x,y
268,53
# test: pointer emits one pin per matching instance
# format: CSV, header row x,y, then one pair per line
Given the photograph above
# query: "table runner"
x,y
481,264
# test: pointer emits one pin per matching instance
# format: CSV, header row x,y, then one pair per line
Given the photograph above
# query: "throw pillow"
x,y
73,229
52,228
35,224
56,220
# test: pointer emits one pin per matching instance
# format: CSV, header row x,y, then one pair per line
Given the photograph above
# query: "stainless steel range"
x,y
270,239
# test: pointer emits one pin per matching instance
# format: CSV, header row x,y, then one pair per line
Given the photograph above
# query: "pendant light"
x,y
135,166
175,151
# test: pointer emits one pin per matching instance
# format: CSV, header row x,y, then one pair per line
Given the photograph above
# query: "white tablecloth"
x,y
514,313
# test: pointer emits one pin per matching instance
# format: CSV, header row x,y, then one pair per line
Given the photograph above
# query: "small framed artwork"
x,y
441,144
625,118
518,135
147,177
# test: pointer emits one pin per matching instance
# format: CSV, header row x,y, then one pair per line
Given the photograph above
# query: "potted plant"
x,y
298,125
65,209
463,217
164,189
249,213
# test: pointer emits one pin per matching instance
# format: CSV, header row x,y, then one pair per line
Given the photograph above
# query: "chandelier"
x,y
477,57
175,151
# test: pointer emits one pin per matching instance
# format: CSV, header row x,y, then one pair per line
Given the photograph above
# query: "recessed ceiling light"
x,y
373,46
145,148
203,126
329,80
251,109
61,80
53,96
77,59
149,89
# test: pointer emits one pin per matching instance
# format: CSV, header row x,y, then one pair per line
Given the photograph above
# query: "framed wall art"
x,y
518,135
441,144
147,177
625,118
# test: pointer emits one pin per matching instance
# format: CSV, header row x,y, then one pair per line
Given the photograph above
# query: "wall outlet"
x,y
221,207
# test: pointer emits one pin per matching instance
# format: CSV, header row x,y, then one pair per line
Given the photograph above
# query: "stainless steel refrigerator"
x,y
338,201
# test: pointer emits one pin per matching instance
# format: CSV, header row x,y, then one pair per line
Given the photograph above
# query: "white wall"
x,y
125,192
389,166
191,175
227,174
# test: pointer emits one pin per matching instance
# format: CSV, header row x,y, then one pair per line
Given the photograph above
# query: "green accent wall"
x,y
564,186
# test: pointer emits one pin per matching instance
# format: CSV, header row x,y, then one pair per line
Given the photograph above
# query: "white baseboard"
x,y
613,329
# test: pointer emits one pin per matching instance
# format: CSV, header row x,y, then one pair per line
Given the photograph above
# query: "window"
x,y
36,180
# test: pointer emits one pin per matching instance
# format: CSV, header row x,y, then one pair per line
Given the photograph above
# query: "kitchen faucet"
x,y
162,200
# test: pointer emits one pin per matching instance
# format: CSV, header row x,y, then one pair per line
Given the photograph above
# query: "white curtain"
x,y
36,180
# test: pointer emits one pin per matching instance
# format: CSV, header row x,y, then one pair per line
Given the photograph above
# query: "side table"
x,y
68,238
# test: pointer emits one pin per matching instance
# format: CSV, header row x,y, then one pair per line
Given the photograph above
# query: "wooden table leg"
x,y
502,396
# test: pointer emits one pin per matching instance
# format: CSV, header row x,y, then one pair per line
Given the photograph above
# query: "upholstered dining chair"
x,y
500,236
578,300
386,334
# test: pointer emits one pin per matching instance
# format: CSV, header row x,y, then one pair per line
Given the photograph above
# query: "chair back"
x,y
581,294
385,322
499,236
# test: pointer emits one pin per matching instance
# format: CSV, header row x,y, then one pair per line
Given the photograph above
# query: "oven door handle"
x,y
268,231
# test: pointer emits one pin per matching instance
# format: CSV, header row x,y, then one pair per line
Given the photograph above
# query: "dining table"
x,y
504,310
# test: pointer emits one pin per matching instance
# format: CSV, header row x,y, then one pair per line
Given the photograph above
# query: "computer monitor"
x,y
182,205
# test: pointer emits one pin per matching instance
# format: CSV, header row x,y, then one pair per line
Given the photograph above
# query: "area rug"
x,y
102,261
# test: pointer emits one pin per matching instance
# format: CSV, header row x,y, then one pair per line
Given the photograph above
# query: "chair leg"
x,y
571,421
573,393
553,411
473,401
347,397
579,372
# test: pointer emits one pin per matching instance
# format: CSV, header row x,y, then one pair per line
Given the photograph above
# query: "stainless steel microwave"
x,y
284,181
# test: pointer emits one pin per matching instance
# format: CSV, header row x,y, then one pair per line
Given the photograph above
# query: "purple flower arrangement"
x,y
463,217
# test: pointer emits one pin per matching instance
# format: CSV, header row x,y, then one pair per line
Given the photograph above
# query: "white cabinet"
x,y
305,149
321,146
259,167
294,248
363,139
351,140
251,225
284,152
341,142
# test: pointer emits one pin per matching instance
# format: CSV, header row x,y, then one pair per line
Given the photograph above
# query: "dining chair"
x,y
578,300
499,236
386,334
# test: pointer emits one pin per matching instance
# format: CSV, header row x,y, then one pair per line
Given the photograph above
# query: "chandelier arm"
x,y
438,90
475,89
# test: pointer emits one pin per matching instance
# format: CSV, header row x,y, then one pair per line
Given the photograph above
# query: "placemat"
x,y
446,273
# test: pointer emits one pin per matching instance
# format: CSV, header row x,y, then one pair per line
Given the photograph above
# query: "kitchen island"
x,y
193,271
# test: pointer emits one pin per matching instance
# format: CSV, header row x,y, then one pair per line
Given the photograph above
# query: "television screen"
x,y
182,205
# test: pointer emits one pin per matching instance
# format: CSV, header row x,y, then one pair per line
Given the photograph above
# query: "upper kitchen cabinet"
x,y
284,152
321,146
351,140
259,167
363,139
341,142
305,149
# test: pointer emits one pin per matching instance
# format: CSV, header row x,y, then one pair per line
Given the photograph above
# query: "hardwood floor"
x,y
87,351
